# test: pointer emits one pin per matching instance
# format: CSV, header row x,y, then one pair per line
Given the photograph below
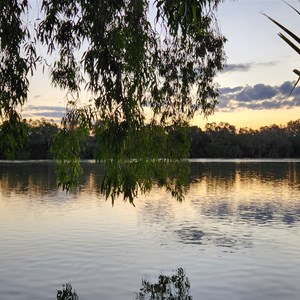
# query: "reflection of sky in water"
x,y
237,228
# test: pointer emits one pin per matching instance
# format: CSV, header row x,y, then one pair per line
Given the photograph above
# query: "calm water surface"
x,y
237,234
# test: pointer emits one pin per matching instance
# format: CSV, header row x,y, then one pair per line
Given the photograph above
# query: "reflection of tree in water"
x,y
174,287
273,173
294,175
223,175
131,179
217,175
127,179
27,178
258,209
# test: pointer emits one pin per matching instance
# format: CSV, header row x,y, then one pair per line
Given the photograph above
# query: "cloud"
x,y
259,96
47,108
42,111
245,67
53,114
266,63
257,92
286,88
230,90
237,68
296,91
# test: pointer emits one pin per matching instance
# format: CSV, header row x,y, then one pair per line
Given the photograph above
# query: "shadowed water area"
x,y
236,233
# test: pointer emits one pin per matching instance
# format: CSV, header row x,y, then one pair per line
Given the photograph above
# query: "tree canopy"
x,y
127,54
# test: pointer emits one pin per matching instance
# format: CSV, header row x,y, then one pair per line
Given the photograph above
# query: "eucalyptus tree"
x,y
129,55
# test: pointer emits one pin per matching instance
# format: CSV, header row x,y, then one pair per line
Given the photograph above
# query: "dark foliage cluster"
x,y
67,293
120,54
215,141
123,57
225,141
174,287
38,139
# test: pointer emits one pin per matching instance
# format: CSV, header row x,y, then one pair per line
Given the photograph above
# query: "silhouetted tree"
x,y
40,138
247,140
223,140
114,51
273,142
293,131
199,140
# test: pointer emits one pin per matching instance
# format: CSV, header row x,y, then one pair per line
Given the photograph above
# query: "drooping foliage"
x,y
129,55
135,178
17,59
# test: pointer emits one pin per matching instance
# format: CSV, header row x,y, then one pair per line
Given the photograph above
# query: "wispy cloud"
x,y
237,68
52,115
43,111
47,108
228,90
259,96
245,67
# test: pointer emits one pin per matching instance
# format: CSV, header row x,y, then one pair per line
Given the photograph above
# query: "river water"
x,y
236,234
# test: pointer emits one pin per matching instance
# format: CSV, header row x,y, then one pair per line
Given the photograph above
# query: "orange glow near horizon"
x,y
250,118
254,119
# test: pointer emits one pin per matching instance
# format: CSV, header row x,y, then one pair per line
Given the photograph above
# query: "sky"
x,y
255,84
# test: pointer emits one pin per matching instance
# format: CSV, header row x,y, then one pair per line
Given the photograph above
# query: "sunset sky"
x,y
255,84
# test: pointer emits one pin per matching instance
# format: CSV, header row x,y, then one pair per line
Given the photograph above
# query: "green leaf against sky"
x,y
293,44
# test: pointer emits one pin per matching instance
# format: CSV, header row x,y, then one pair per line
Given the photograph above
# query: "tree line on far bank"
x,y
214,141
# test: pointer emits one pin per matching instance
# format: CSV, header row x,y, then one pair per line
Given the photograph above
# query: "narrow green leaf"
x,y
294,86
294,36
297,49
297,72
297,11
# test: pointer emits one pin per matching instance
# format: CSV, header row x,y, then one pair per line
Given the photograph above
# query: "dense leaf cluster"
x,y
155,142
114,50
126,61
